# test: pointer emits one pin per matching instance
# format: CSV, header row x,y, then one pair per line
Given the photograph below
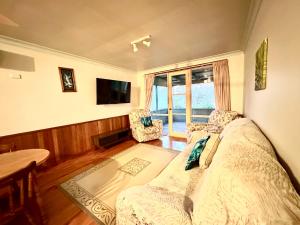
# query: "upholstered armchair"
x,y
217,120
141,133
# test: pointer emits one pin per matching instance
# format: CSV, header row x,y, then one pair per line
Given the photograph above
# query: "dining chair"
x,y
25,200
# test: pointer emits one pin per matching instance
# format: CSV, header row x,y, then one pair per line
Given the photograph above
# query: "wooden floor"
x,y
59,209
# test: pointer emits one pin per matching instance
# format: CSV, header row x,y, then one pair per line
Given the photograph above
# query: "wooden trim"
x,y
45,129
170,105
188,96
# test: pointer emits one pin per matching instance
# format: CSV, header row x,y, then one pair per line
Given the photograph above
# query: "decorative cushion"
x,y
193,159
146,121
209,151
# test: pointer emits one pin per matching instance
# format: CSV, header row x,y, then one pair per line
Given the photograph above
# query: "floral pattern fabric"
x,y
218,119
139,131
245,184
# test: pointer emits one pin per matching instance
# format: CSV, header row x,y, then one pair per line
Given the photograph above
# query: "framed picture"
x,y
67,79
261,66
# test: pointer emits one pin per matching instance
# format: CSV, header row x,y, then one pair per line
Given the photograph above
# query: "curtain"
x,y
149,84
222,85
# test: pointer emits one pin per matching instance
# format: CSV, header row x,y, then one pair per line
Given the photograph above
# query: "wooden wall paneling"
x,y
66,141
55,150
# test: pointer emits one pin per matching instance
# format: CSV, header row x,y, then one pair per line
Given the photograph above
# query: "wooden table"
x,y
11,162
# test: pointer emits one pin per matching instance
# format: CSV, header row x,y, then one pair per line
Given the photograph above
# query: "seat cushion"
x,y
151,130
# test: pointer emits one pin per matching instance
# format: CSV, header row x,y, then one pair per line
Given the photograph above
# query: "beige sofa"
x,y
243,185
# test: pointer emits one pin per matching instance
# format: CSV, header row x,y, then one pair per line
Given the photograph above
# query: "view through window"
x,y
202,97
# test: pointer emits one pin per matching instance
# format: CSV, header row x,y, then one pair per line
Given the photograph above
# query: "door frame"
x,y
170,101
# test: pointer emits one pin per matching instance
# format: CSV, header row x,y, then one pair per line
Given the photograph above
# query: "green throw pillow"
x,y
146,121
198,148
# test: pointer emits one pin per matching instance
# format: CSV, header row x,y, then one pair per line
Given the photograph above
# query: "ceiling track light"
x,y
145,40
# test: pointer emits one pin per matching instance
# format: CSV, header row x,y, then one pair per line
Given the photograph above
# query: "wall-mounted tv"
x,y
112,91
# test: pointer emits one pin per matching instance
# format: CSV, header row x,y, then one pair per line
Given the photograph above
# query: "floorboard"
x,y
59,209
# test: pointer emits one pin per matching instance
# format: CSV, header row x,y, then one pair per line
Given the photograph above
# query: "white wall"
x,y
277,108
37,101
236,70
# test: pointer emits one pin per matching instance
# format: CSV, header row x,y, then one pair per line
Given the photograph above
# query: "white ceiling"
x,y
102,30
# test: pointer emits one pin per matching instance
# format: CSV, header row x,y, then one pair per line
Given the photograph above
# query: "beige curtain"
x,y
149,84
222,85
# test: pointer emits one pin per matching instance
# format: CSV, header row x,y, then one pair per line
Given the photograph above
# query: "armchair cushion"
x,y
151,130
146,121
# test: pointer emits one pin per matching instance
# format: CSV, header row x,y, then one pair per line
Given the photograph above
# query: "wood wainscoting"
x,y
65,141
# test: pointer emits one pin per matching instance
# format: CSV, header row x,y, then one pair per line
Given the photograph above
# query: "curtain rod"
x,y
185,68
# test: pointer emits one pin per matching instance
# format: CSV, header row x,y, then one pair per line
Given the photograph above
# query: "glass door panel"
x,y
202,91
178,103
159,104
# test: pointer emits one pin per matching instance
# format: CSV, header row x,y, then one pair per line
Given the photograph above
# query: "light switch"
x,y
15,76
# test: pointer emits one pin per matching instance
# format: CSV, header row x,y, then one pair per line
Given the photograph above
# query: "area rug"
x,y
96,189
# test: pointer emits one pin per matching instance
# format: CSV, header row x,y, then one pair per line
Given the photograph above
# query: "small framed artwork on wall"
x,y
261,66
67,79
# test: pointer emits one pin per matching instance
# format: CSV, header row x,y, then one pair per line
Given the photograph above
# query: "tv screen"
x,y
112,91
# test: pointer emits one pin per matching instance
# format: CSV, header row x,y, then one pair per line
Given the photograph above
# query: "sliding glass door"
x,y
202,94
179,102
181,97
159,104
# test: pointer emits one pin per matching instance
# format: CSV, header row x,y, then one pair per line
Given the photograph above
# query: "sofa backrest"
x,y
135,116
246,184
222,117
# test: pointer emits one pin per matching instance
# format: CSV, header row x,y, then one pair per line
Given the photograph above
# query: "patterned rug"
x,y
96,189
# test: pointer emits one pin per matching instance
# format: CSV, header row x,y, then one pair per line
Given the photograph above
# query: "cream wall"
x,y
36,101
277,108
236,70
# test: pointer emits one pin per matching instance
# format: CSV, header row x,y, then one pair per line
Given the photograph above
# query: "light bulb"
x,y
135,49
147,43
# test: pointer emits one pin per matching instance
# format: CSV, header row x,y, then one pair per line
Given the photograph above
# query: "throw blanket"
x,y
244,185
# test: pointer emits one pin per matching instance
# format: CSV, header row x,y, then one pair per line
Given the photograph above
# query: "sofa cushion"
x,y
198,148
209,151
151,130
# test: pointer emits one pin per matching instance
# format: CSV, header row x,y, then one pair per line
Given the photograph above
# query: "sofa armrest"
x,y
137,126
158,123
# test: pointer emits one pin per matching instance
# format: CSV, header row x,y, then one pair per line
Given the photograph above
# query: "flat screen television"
x,y
112,91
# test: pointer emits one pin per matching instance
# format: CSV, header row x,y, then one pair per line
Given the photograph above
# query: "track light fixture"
x,y
145,40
